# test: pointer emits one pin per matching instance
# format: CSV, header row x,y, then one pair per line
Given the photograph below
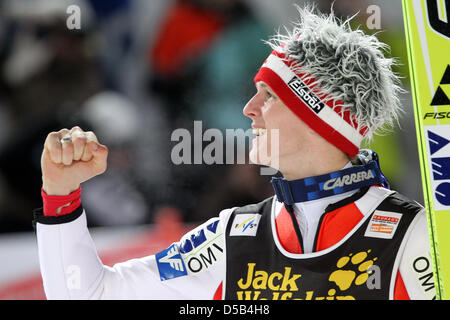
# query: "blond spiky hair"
x,y
347,65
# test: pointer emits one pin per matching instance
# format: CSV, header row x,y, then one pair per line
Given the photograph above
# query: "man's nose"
x,y
253,107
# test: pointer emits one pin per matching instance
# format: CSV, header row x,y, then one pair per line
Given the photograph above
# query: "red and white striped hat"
x,y
301,96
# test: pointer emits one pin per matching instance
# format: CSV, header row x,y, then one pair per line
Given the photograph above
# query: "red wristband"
x,y
68,203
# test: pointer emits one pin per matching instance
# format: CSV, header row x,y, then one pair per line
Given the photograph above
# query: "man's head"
x,y
325,87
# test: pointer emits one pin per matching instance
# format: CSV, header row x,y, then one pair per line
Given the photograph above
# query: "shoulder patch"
x,y
245,224
197,251
170,264
203,248
383,224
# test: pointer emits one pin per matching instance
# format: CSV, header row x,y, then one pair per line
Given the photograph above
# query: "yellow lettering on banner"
x,y
279,295
260,279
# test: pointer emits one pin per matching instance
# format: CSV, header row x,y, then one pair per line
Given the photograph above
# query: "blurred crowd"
x,y
137,70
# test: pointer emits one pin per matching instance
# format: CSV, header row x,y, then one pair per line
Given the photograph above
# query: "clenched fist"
x,y
71,157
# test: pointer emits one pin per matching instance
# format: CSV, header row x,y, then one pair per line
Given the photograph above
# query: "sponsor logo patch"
x,y
170,264
383,224
245,225
305,93
203,248
348,179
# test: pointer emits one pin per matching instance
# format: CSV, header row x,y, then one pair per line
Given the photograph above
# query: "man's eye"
x,y
269,95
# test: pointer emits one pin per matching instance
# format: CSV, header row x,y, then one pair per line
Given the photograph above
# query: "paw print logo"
x,y
344,278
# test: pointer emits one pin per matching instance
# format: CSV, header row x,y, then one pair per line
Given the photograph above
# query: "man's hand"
x,y
71,157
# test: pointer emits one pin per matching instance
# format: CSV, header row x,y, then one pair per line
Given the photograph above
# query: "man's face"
x,y
285,137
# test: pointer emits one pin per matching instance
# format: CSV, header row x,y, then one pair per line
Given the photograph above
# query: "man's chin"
x,y
256,158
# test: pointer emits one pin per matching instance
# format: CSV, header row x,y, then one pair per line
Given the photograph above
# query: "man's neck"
x,y
314,168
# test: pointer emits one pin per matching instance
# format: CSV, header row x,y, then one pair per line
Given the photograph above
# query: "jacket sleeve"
x,y
191,268
416,267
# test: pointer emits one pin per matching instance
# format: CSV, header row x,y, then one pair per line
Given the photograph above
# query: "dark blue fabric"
x,y
330,184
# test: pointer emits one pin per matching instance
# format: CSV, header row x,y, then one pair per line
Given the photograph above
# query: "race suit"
x,y
370,243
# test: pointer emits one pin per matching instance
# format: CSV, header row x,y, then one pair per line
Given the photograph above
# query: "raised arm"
x,y
191,268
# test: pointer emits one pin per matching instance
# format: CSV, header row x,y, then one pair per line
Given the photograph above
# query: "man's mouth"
x,y
259,131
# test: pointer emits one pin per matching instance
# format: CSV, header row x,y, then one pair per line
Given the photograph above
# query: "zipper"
x,y
290,210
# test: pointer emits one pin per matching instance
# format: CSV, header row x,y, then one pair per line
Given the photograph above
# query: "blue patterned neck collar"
x,y
326,185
